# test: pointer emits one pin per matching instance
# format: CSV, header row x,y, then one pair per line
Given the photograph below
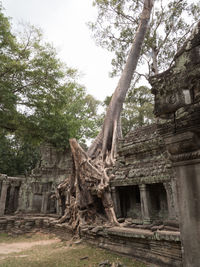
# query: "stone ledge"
x,y
156,248
142,233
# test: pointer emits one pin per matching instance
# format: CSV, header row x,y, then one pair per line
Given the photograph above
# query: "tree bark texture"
x,y
106,140
88,192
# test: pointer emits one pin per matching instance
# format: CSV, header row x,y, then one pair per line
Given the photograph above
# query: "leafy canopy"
x,y
170,25
137,109
40,98
17,156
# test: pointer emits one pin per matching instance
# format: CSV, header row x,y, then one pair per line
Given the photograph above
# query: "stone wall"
x,y
144,184
21,224
159,248
37,193
177,106
141,164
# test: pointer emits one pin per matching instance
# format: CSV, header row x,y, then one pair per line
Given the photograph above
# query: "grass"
x,y
60,254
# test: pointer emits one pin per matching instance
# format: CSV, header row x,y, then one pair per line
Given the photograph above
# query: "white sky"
x,y
64,24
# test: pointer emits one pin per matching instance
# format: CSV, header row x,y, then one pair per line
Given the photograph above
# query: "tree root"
x,y
84,205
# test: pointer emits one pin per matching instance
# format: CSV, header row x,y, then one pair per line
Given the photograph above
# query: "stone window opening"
x,y
158,201
51,205
130,203
63,200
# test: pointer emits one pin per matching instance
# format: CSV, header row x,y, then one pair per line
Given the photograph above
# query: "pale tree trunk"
x,y
91,173
106,139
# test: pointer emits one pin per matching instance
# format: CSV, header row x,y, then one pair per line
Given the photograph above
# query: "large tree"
x,y
116,24
91,178
137,109
111,130
40,98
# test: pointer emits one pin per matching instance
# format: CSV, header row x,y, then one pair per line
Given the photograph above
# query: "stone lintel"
x,y
185,162
140,180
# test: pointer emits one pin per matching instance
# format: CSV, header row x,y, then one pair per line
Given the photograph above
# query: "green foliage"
x,y
170,25
137,108
40,98
17,156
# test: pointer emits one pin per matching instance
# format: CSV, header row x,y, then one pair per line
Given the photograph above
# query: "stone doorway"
x,y
130,203
158,201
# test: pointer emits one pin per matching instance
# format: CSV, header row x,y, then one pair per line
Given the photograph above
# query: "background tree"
x,y
137,109
17,156
40,98
170,24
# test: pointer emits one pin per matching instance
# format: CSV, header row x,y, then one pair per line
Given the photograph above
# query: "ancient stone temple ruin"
x,y
177,104
145,201
156,179
144,188
143,192
37,192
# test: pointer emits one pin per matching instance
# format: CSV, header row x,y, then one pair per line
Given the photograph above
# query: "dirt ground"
x,y
6,248
47,250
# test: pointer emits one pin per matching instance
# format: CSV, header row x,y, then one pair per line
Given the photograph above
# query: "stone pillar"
x,y
145,203
45,199
23,198
185,154
30,201
174,192
58,208
43,202
170,200
11,199
116,201
4,189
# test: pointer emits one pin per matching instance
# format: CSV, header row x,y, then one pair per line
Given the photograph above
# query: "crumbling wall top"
x,y
179,86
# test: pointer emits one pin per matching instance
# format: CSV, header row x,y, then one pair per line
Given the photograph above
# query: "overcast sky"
x,y
64,24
